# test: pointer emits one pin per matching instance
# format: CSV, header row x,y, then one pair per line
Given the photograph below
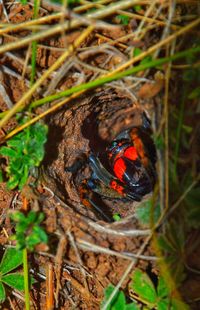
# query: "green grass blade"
x,y
117,76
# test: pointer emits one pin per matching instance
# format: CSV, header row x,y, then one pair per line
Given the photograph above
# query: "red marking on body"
x,y
119,168
139,146
83,191
118,188
131,153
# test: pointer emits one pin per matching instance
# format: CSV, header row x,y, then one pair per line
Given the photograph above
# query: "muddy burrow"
x,y
88,127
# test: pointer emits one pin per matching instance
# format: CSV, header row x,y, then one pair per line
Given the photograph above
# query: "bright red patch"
x,y
131,153
118,188
119,168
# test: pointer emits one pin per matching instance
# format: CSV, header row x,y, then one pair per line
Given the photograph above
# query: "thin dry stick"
x,y
148,19
166,30
88,246
4,10
26,61
118,232
77,21
88,5
147,13
49,287
73,243
81,289
11,304
4,95
10,27
40,116
58,265
59,61
156,46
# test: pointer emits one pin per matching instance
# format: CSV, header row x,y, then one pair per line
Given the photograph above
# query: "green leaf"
x,y
124,19
187,129
165,244
40,217
15,143
14,280
120,302
6,151
137,8
107,292
13,182
41,234
24,177
164,304
143,286
146,60
31,217
1,175
2,293
24,2
162,289
137,51
132,306
17,216
159,142
12,258
25,151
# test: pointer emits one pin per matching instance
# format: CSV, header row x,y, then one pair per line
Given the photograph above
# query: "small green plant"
x,y
24,151
151,297
145,295
116,217
11,259
118,302
29,233
124,19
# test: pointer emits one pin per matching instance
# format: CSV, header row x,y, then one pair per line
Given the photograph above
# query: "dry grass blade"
x,y
10,28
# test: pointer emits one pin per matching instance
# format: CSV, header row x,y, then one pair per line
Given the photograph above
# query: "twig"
x,y
4,95
4,10
118,232
49,287
58,264
88,246
73,243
